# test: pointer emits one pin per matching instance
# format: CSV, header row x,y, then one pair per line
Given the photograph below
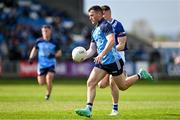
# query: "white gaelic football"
x,y
79,53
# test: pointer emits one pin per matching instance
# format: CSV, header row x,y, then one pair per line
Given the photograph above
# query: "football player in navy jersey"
x,y
108,60
47,50
121,46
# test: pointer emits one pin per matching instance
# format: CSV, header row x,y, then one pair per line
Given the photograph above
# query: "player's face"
x,y
94,16
107,14
46,32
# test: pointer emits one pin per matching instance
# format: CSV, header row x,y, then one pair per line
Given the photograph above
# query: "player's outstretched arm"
x,y
32,55
91,51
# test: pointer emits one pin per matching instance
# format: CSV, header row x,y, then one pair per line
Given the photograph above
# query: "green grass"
x,y
24,99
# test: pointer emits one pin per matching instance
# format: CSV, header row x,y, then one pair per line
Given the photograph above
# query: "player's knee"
x,y
41,82
91,83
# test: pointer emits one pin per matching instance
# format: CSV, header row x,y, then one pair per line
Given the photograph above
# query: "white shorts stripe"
x,y
118,65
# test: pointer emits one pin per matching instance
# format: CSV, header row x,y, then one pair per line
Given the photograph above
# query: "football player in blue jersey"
x,y
108,60
47,50
121,45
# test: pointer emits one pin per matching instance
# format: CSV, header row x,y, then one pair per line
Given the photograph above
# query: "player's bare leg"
x,y
114,91
124,82
115,97
104,82
49,79
41,79
95,76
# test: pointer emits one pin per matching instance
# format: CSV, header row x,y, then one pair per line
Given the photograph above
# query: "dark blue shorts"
x,y
44,71
113,69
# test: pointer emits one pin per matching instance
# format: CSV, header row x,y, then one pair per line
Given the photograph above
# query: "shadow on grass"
x,y
30,81
76,80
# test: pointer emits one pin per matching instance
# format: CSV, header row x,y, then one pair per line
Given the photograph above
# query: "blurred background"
x,y
152,26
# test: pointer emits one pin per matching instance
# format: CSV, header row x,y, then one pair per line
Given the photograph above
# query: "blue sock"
x,y
115,106
89,106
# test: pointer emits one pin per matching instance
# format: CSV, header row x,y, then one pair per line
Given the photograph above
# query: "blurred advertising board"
x,y
69,69
129,67
173,69
141,64
27,70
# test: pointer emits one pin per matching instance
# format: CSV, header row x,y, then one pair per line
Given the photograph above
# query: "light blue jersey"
x,y
99,37
45,48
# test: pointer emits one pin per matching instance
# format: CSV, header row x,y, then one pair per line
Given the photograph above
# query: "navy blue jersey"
x,y
45,48
102,29
119,31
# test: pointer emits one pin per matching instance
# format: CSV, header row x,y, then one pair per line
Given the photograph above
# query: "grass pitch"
x,y
24,99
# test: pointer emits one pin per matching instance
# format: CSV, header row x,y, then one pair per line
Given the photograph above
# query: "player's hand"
x,y
98,59
51,56
30,61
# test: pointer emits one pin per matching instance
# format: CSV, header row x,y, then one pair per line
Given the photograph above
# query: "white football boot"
x,y
114,113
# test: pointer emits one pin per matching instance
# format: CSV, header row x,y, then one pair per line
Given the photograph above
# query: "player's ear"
x,y
100,14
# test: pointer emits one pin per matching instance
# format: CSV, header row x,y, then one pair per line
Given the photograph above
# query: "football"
x,y
78,54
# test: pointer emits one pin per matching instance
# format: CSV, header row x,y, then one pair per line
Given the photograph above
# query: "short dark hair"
x,y
47,26
105,7
95,8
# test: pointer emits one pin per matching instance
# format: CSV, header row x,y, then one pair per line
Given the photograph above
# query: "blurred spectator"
x,y
155,56
155,62
21,21
138,54
177,60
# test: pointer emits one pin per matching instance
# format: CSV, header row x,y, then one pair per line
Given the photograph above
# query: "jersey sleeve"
x,y
107,28
36,44
120,30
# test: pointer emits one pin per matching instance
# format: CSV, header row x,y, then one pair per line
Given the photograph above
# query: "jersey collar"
x,y
112,21
100,21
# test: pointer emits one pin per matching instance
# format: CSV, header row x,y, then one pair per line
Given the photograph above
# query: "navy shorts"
x,y
44,71
113,69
